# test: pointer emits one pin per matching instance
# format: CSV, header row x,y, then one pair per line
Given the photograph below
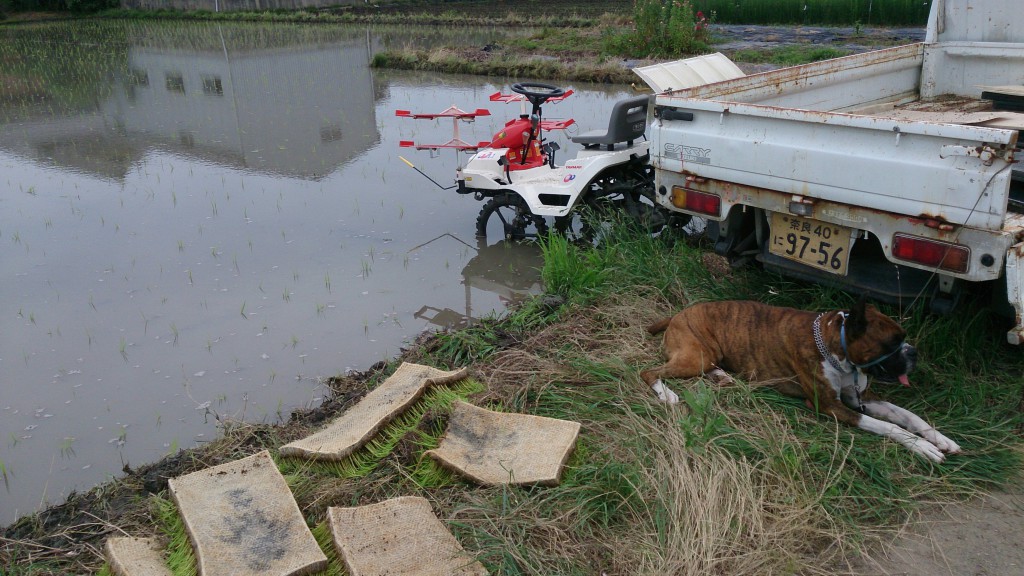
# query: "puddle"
x,y
200,221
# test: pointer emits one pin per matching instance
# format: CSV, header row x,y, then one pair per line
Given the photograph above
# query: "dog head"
x,y
877,345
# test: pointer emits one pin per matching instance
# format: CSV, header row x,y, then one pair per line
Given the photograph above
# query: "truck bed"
x,y
812,130
948,109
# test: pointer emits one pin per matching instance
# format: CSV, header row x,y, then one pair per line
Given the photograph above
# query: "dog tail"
x,y
659,326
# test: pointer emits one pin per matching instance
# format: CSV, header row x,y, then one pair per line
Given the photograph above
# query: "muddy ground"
x,y
980,537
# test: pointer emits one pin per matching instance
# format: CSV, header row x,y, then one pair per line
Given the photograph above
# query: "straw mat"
x,y
243,520
355,427
401,536
499,448
136,557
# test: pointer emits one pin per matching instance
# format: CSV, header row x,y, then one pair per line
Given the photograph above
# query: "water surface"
x,y
198,222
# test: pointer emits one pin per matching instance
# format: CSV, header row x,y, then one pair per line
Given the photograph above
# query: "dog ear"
x,y
857,321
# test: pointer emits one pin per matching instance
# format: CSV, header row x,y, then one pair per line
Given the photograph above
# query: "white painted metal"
x,y
482,171
689,72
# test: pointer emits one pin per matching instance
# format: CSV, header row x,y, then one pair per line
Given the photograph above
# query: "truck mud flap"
x,y
1015,291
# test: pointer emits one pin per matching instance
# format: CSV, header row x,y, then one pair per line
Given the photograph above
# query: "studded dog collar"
x,y
819,341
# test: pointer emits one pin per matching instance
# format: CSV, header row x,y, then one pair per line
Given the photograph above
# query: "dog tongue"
x,y
904,380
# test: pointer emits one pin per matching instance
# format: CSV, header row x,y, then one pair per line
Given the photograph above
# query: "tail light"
x,y
931,253
694,201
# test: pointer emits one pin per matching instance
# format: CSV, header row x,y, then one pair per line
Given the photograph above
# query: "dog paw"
x,y
664,393
942,442
926,449
720,377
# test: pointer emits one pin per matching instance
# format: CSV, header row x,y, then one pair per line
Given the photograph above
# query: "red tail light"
x,y
695,201
942,255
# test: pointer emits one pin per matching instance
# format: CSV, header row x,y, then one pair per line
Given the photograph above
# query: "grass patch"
x,y
965,373
354,15
792,55
475,61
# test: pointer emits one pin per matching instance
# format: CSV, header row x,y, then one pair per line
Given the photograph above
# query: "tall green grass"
x,y
661,28
830,12
968,384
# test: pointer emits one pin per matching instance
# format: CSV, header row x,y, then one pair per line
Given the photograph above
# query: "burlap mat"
x,y
499,448
400,536
243,520
356,426
136,557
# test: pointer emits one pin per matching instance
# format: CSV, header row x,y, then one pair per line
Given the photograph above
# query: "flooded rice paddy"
x,y
200,221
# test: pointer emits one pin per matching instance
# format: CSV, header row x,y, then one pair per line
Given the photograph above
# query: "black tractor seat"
x,y
627,123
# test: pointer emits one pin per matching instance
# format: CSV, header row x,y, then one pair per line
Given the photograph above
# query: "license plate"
x,y
817,244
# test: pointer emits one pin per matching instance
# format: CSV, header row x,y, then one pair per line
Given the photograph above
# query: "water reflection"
x,y
509,270
198,221
282,108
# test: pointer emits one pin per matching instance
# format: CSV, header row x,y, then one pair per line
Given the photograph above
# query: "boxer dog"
x,y
826,359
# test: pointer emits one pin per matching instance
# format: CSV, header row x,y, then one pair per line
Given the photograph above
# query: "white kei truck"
x,y
889,173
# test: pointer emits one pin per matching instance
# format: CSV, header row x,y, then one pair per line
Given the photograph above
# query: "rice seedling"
x,y
67,447
403,428
180,557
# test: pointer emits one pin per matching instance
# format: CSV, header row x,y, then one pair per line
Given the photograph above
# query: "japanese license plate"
x,y
817,244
